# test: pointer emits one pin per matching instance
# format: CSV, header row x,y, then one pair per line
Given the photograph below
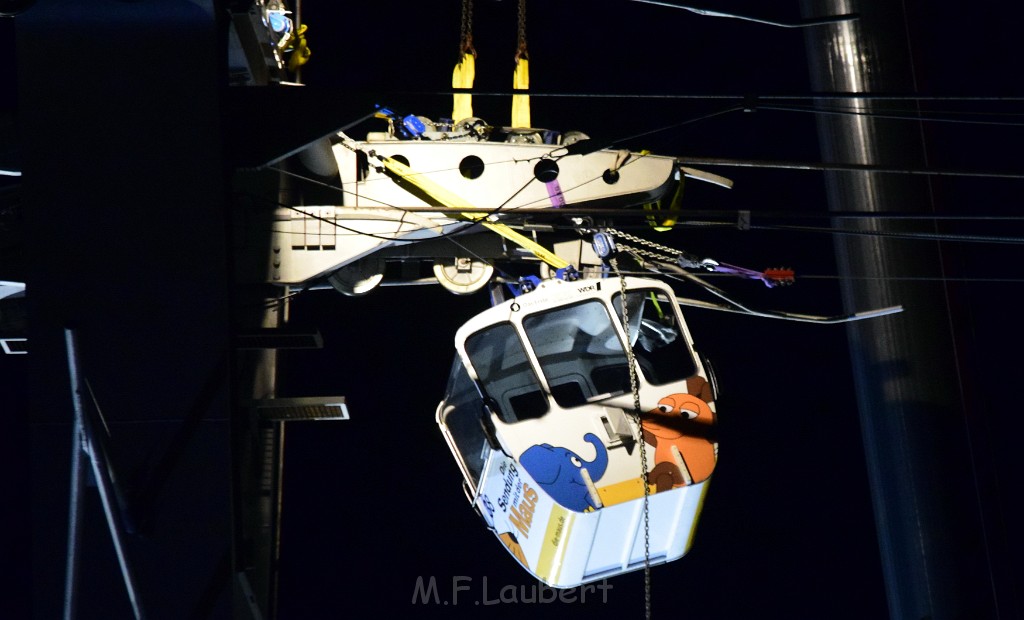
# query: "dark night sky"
x,y
374,503
788,528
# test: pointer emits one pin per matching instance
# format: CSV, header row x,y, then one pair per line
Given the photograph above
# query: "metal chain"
x,y
466,39
683,259
462,28
642,241
642,252
634,385
521,51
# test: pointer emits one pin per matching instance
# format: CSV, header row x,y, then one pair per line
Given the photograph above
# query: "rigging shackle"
x,y
604,245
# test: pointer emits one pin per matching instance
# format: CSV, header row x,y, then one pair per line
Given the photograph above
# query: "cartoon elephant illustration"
x,y
557,471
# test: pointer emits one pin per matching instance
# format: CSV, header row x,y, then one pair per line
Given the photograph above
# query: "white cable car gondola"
x,y
539,414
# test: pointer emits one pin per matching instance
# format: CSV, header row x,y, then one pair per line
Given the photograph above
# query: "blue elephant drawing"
x,y
557,471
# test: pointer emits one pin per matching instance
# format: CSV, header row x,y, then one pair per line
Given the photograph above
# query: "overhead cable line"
x,y
921,236
729,216
909,116
912,111
824,96
843,167
802,276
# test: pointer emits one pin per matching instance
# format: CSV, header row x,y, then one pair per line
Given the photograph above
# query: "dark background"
x,y
788,528
373,504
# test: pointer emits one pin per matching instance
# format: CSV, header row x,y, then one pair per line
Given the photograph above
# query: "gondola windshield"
x,y
580,354
506,377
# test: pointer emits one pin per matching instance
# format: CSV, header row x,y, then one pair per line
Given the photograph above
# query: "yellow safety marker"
x,y
555,544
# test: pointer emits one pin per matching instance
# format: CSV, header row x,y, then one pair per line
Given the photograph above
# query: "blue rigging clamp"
x,y
604,245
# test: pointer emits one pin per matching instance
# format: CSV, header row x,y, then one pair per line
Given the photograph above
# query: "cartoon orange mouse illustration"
x,y
680,429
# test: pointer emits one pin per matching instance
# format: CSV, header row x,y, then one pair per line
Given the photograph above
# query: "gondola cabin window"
x,y
662,353
506,377
461,416
579,352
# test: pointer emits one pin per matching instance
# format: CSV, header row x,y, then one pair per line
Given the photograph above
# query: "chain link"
x,y
638,252
521,51
634,385
678,257
651,244
466,32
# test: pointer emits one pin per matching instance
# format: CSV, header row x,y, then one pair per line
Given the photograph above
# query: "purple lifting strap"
x,y
555,193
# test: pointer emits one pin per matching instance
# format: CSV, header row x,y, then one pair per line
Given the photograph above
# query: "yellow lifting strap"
x,y
299,50
462,77
441,197
521,103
